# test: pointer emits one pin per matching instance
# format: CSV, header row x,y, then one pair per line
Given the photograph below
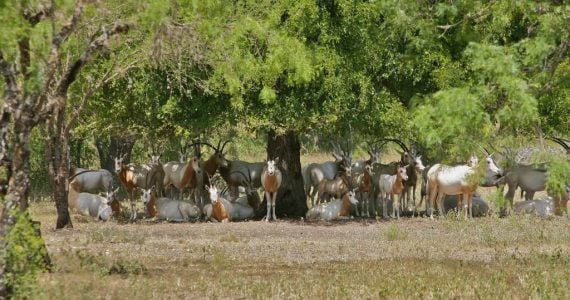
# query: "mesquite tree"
x,y
38,68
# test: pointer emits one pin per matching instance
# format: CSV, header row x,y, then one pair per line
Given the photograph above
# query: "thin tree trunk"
x,y
57,149
17,196
115,146
291,196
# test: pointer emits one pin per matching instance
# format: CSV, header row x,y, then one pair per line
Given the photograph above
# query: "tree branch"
x,y
39,104
98,43
465,18
39,16
105,79
557,57
9,73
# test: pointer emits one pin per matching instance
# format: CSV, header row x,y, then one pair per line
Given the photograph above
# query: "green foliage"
x,y
558,176
24,258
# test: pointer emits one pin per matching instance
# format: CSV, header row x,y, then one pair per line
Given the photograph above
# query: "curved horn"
x,y
560,142
397,141
485,151
224,145
211,146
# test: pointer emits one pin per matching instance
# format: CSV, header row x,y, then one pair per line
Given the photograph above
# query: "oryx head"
x,y
147,195
272,166
351,197
119,162
213,191
418,163
402,172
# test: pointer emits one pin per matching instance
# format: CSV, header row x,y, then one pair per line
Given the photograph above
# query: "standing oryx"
x,y
92,181
271,179
447,180
314,173
182,175
230,172
365,189
391,186
134,176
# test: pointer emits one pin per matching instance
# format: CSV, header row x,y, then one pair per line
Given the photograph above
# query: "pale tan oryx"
x,y
365,189
391,186
181,175
167,209
271,179
337,186
315,173
336,209
453,180
251,197
96,206
211,165
229,170
223,210
92,181
134,176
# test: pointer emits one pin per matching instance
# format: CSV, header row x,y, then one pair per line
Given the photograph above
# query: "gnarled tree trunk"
x,y
291,201
57,150
115,146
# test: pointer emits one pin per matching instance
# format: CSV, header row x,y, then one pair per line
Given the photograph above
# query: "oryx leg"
x,y
273,201
430,202
469,199
268,199
361,214
384,205
133,206
439,201
366,198
414,200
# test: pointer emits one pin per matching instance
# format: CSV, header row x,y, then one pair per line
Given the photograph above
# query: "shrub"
x,y
25,256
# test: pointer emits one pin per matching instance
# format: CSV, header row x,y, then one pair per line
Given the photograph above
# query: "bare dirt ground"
x,y
364,258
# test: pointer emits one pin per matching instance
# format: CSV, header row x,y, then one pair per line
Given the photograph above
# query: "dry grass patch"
x,y
515,257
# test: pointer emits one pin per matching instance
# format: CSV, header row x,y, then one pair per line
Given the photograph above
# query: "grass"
x,y
516,257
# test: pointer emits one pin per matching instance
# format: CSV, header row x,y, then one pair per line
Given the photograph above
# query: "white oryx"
x,y
271,178
91,181
169,209
453,180
222,210
392,186
336,209
96,206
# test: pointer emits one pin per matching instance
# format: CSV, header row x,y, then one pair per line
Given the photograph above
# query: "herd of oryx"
x,y
342,188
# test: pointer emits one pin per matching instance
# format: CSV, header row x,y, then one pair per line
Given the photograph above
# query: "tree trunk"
x,y
291,201
76,152
17,197
57,150
113,147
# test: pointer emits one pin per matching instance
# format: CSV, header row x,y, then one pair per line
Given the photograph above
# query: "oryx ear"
x,y
276,160
116,190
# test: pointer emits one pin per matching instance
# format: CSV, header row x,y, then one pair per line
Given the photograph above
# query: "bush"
x,y
26,256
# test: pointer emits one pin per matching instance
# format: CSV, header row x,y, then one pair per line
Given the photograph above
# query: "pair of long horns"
x,y
561,142
218,148
397,141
